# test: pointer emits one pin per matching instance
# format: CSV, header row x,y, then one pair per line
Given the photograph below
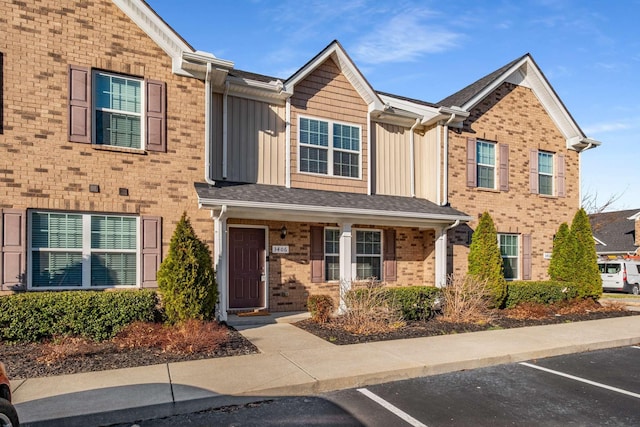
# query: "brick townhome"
x,y
309,182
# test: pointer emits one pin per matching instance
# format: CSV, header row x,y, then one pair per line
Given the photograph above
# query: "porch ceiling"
x,y
258,201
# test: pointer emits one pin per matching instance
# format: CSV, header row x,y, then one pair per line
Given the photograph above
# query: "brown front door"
x,y
246,267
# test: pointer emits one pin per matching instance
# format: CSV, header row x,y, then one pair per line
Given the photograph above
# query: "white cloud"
x,y
405,37
599,128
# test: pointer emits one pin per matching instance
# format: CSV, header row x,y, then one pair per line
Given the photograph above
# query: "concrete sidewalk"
x,y
294,362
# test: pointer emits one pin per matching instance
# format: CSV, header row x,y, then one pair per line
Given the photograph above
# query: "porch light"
x,y
283,232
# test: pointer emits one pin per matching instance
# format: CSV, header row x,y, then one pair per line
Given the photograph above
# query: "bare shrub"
x,y
467,299
368,309
67,347
529,310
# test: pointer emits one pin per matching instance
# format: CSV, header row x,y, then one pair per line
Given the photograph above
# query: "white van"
x,y
621,275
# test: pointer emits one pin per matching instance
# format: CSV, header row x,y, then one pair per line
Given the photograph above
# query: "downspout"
x,y
441,254
439,162
287,161
445,197
207,126
412,158
590,145
220,226
371,166
225,131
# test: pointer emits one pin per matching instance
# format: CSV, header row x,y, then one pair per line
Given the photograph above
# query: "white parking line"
x,y
636,346
393,409
551,371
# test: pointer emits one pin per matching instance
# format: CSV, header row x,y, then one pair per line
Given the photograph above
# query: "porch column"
x,y
345,264
441,257
220,262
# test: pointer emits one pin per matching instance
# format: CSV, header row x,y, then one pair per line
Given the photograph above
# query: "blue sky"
x,y
589,50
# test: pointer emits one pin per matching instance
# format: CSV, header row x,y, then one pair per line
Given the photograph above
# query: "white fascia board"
x,y
532,77
328,211
635,217
347,67
599,242
419,109
260,91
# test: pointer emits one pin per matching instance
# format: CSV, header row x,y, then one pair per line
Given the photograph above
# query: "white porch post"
x,y
441,257
345,264
220,262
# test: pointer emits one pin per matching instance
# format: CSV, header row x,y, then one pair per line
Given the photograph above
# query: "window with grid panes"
x,y
118,110
545,173
332,254
82,250
340,158
368,254
486,164
509,252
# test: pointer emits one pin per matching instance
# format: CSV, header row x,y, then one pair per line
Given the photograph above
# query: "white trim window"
x,y
118,107
486,164
509,250
368,254
72,250
331,254
329,148
545,173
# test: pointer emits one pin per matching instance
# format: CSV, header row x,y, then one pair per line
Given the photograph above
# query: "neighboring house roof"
x,y
614,231
525,72
280,201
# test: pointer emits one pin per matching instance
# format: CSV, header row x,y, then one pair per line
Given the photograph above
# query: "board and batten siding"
x,y
255,141
392,158
327,94
426,153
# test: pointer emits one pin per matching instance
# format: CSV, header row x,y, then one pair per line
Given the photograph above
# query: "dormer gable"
x,y
524,72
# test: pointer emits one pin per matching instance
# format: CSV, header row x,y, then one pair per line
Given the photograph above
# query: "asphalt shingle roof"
x,y
615,230
271,194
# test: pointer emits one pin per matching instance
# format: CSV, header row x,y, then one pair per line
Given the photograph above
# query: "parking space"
x,y
594,388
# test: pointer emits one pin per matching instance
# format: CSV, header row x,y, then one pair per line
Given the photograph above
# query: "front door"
x,y
246,267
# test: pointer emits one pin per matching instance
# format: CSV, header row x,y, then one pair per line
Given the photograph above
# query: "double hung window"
x,y
486,164
332,254
83,251
545,173
118,110
368,254
509,252
329,148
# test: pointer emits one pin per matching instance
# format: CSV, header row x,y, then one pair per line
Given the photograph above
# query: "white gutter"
x,y
287,161
225,131
207,126
371,165
445,197
454,225
412,157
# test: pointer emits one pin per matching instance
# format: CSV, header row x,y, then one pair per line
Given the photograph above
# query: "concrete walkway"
x,y
293,362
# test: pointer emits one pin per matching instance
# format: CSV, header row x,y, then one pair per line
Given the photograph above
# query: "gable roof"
x,y
524,72
614,231
185,59
336,52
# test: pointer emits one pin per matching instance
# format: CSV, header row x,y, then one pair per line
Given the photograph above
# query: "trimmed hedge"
x,y
541,292
95,315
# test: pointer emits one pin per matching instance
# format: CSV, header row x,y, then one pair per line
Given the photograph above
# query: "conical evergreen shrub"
x,y
586,260
485,261
186,279
563,255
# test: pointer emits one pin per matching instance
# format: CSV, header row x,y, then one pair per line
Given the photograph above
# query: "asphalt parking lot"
x,y
586,389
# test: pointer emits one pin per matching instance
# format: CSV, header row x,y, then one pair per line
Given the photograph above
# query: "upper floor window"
x,y
509,251
545,173
70,250
486,164
118,110
329,148
110,109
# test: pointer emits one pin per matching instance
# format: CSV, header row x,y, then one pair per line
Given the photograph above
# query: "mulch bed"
x,y
21,359
335,334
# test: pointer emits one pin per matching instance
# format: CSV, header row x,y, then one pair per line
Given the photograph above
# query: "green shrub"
x,y
414,302
98,316
585,266
321,307
540,292
186,278
485,261
563,255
